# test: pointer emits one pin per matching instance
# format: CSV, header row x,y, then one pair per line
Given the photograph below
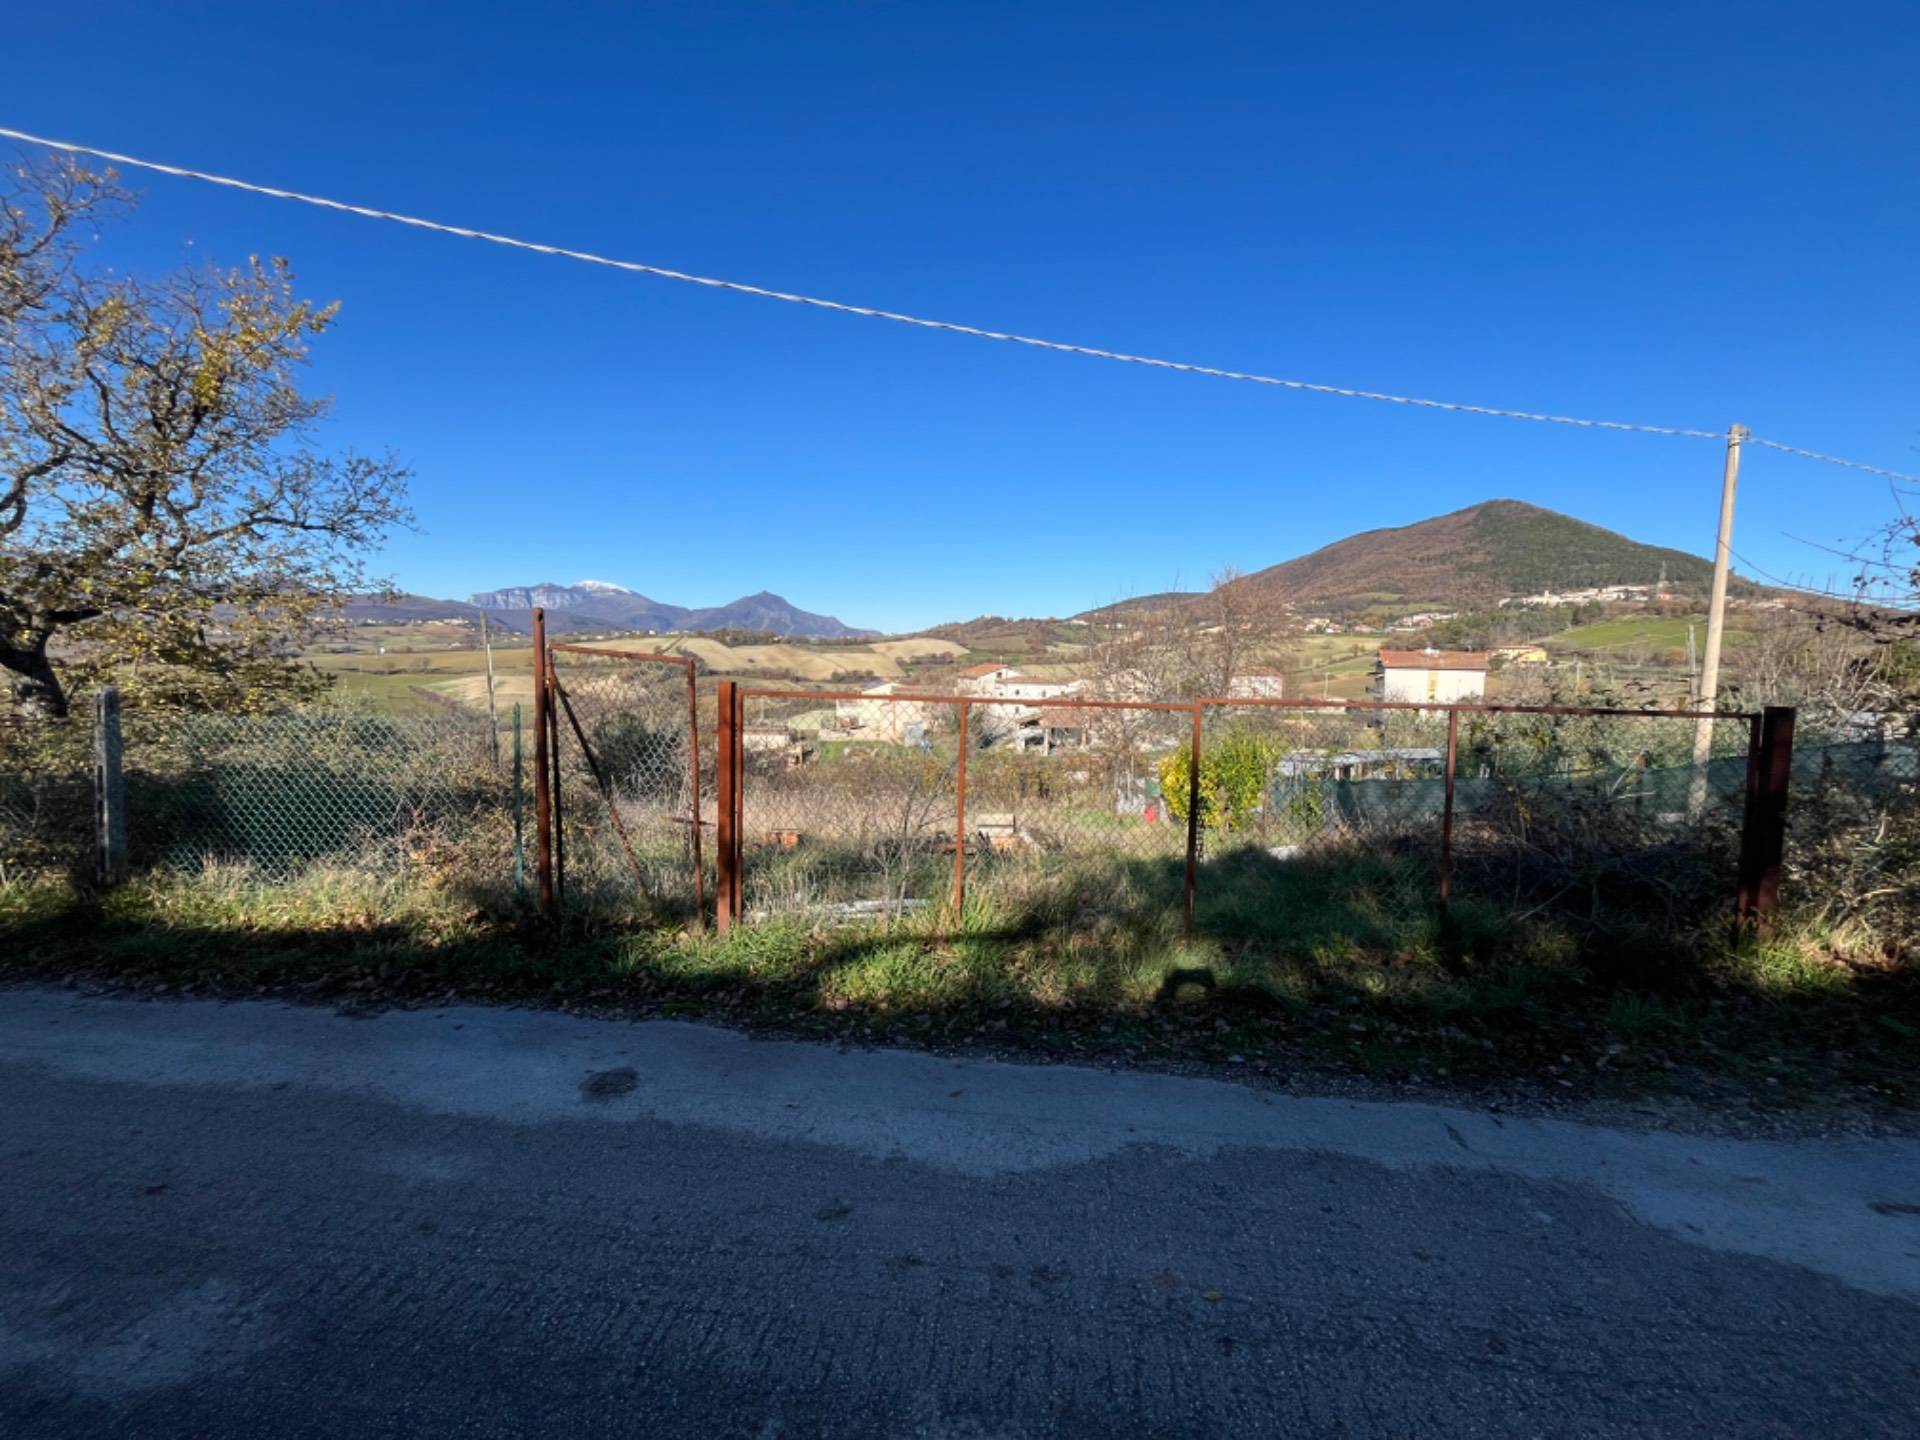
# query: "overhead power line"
x,y
953,327
1827,459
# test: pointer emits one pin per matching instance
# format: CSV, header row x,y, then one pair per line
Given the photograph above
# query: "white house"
x,y
1444,677
1013,686
876,717
982,678
1254,683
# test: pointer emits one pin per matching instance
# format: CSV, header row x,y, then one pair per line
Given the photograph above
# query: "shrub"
x,y
1235,771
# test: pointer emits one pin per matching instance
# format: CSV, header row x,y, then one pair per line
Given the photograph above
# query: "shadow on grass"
x,y
1337,961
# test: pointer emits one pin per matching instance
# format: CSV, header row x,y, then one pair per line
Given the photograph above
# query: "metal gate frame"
x,y
550,701
1763,828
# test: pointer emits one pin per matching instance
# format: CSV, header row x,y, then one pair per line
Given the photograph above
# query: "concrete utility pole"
x,y
1716,611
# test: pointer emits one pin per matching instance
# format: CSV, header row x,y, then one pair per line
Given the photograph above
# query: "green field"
x,y
1654,633
392,681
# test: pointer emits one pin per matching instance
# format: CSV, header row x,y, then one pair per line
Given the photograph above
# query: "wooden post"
x,y
519,823
960,820
1446,815
1193,818
739,806
109,790
493,713
726,858
542,772
1763,837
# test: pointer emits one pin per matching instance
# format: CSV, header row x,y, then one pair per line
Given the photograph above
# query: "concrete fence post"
x,y
109,790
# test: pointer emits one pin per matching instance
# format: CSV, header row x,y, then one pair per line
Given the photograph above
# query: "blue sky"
x,y
1679,214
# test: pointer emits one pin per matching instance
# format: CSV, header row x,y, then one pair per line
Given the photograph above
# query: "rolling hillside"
x,y
1495,548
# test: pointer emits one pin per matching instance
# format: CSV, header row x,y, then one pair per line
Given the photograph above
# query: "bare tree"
x,y
909,797
1236,624
1133,653
164,515
1813,659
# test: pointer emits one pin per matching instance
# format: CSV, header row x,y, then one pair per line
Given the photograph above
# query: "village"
x,y
1015,711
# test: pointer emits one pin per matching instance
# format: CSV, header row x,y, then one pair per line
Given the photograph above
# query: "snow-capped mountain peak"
x,y
606,587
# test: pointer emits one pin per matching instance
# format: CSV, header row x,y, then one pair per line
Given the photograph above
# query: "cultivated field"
x,y
886,658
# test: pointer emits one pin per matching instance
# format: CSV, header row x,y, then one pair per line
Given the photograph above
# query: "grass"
x,y
1655,632
1340,967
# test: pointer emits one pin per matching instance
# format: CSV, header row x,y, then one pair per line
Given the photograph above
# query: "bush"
x,y
1235,771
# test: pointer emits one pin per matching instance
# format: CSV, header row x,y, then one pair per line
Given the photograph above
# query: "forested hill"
x,y
1495,548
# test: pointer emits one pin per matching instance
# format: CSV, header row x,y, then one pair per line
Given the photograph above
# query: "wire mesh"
x,y
627,789
1604,819
1296,801
855,805
338,785
1288,781
1853,838
1068,809
848,806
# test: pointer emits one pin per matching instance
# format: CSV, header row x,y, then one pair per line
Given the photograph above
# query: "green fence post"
x,y
519,846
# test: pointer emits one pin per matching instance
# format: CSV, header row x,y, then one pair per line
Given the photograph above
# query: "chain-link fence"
x,y
343,786
1853,844
882,802
1070,815
631,801
1606,819
847,803
1080,810
337,785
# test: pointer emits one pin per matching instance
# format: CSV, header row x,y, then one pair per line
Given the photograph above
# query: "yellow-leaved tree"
x,y
166,518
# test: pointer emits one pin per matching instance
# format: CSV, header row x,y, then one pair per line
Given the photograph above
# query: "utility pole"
x,y
1709,688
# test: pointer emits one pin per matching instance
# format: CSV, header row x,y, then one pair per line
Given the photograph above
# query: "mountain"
x,y
1495,548
403,609
614,606
1134,604
767,611
600,604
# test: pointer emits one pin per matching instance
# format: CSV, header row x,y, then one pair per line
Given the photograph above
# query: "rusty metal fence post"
x,y
550,682
1763,836
1193,818
693,812
519,819
1446,813
960,820
542,771
726,858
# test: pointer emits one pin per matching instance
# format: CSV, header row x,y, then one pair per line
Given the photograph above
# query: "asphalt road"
x,y
259,1220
